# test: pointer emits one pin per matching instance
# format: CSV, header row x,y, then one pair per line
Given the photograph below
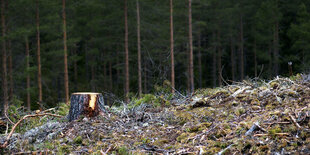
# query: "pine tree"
x,y
4,65
139,50
66,78
39,53
126,55
299,34
172,48
191,61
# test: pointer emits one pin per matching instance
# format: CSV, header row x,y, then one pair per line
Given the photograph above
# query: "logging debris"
x,y
250,117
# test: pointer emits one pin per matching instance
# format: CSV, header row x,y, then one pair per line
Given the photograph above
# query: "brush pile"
x,y
250,117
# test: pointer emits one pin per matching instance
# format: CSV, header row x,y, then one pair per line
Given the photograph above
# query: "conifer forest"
x,y
155,77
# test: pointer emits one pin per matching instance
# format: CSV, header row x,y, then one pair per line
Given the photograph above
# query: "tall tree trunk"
x,y
10,72
28,75
105,74
39,53
214,61
117,71
270,60
188,74
145,77
75,73
4,69
93,74
139,50
199,58
126,55
111,76
232,59
219,60
276,48
241,49
172,48
191,62
66,78
255,58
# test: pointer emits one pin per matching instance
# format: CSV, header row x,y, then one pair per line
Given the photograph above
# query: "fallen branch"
x,y
276,123
278,134
224,150
25,117
294,121
253,128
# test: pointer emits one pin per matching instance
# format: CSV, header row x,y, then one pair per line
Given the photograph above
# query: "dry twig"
x,y
278,134
294,121
25,117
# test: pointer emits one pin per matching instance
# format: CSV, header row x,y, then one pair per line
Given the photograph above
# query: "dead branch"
x,y
25,117
278,134
294,121
7,117
253,128
224,150
276,123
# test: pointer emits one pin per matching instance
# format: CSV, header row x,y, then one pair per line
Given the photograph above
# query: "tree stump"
x,y
87,104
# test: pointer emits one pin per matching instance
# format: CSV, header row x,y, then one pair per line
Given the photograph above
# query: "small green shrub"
x,y
151,99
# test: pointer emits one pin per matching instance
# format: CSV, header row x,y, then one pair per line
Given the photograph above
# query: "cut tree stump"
x,y
86,104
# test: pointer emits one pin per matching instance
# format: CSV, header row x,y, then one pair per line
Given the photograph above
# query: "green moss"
x,y
156,101
169,147
49,145
182,137
239,111
122,151
183,117
161,142
63,109
78,140
145,140
64,149
274,130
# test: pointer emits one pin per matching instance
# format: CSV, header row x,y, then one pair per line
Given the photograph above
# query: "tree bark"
x,y
105,85
28,75
117,70
11,88
214,61
66,78
172,48
126,55
191,63
270,59
241,49
232,59
111,76
219,59
139,50
199,59
75,73
4,67
39,53
276,48
255,58
145,77
87,104
93,74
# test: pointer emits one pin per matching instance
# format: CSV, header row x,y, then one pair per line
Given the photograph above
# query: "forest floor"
x,y
250,117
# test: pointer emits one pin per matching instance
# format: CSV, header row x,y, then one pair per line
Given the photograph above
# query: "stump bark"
x,y
86,104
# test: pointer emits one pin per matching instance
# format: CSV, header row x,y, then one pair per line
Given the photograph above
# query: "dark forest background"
x,y
233,40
